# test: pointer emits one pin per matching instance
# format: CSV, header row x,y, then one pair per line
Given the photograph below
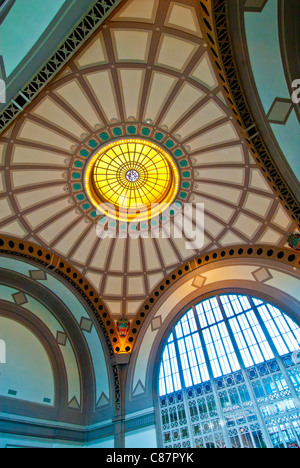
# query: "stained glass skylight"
x,y
131,179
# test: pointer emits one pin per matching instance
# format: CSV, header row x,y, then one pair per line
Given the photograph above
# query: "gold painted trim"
x,y
263,252
116,345
52,262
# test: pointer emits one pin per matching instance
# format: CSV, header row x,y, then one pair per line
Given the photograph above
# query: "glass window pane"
x,y
201,315
284,332
234,332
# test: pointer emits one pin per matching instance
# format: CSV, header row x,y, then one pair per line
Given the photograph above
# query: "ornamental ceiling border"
x,y
124,346
77,37
262,252
216,30
54,264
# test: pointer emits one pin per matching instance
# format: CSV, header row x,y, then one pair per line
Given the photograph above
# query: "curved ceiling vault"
x,y
44,26
147,65
70,371
269,29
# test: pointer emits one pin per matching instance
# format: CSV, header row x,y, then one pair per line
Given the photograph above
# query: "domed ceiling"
x,y
145,73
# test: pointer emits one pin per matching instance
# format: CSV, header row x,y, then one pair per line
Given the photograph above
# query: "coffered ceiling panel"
x,y
147,67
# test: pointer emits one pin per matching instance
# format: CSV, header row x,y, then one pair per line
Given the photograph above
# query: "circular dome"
x,y
131,179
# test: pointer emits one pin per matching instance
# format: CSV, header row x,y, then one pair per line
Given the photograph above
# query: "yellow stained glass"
x,y
131,180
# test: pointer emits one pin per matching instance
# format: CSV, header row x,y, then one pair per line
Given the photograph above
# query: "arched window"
x,y
230,377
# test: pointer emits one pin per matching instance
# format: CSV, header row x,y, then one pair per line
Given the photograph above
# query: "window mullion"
x,y
246,341
181,375
188,359
281,432
212,381
279,334
289,383
232,337
292,331
185,400
231,334
217,357
277,357
202,341
188,416
205,352
255,325
265,329
282,335
246,379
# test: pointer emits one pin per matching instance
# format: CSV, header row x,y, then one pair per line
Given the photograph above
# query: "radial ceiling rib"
x,y
216,27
